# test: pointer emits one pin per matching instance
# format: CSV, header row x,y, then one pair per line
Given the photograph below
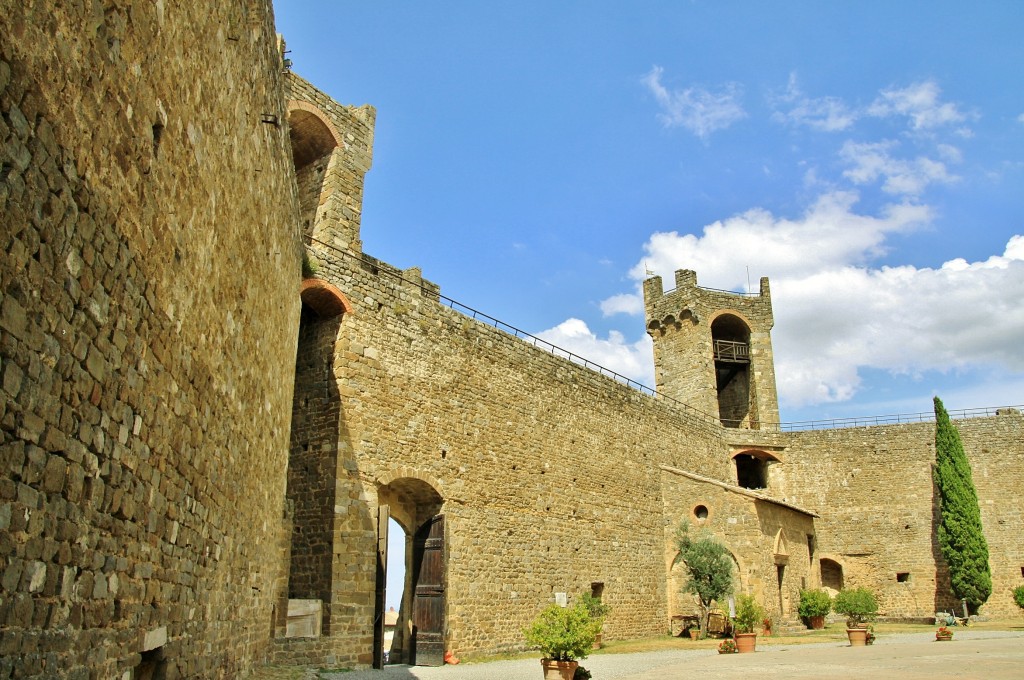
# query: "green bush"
x,y
595,607
814,603
857,604
749,614
563,633
1018,596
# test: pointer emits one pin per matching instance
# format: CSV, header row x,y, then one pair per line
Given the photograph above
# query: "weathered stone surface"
x,y
184,446
142,203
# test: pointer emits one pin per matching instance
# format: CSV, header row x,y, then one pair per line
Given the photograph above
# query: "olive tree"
x,y
709,567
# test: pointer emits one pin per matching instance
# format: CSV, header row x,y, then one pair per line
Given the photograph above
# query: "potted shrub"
x,y
563,635
859,606
749,615
598,610
814,607
944,634
1018,596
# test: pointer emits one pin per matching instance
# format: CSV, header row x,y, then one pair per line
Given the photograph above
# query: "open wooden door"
x,y
383,515
428,604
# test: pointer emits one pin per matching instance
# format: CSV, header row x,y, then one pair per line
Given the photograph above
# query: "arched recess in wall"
x,y
831,575
730,336
752,468
314,450
323,299
313,138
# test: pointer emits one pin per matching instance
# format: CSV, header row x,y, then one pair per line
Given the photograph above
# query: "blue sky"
x,y
536,158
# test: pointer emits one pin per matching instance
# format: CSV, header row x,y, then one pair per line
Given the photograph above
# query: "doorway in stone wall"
x,y
417,542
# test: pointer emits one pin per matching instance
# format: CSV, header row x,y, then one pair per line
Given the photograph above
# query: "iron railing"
x,y
689,411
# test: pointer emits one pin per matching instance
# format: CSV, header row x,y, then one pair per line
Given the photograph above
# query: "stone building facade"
x,y
212,399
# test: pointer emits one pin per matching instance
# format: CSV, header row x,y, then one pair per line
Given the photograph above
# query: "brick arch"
x,y
312,133
324,299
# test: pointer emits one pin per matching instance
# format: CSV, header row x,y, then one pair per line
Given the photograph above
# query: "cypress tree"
x,y
961,539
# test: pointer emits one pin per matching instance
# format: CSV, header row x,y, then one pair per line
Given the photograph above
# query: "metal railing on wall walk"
x,y
686,409
539,343
894,419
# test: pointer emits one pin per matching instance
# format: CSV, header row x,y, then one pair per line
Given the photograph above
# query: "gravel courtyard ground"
x,y
982,654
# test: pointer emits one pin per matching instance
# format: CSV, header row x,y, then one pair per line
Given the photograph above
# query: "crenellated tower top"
x,y
713,349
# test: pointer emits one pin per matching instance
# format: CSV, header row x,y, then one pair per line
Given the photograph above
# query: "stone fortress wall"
x,y
873,488
191,438
149,253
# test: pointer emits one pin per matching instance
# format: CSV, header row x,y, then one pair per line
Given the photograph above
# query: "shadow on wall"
x,y
944,600
313,461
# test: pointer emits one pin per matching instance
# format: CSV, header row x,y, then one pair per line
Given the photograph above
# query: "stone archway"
x,y
416,505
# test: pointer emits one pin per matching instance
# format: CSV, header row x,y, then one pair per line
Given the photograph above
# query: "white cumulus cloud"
x,y
698,110
836,314
632,360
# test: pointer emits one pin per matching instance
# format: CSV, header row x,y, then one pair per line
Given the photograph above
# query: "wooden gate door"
x,y
428,605
383,515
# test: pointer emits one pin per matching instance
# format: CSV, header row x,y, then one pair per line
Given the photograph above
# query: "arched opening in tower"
x,y
312,145
731,342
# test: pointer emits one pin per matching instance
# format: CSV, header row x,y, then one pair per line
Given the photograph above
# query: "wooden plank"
x,y
428,609
383,515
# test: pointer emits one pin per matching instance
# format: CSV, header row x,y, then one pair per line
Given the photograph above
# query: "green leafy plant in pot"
x,y
859,606
814,607
749,614
563,635
598,610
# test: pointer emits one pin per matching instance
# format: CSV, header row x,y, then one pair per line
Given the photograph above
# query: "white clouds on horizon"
x,y
698,110
632,360
835,313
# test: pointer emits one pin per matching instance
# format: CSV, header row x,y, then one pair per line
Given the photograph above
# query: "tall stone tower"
x,y
332,147
713,349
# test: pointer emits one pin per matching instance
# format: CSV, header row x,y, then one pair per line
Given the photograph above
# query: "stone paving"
x,y
995,655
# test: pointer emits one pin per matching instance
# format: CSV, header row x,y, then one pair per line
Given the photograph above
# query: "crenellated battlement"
x,y
712,349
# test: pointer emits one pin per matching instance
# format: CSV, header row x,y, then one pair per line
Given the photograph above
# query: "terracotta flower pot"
x,y
694,633
746,642
558,670
943,638
817,622
858,636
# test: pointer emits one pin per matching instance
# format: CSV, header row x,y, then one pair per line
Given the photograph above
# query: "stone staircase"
x,y
789,627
